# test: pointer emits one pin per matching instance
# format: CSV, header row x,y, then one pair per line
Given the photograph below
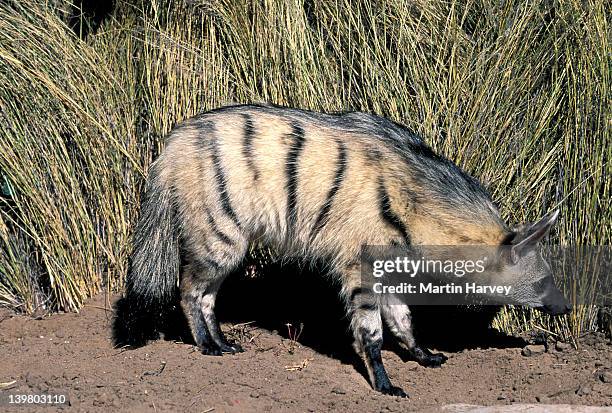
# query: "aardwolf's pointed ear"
x,y
530,235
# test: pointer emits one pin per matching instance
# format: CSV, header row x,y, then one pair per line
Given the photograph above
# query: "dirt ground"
x,y
72,354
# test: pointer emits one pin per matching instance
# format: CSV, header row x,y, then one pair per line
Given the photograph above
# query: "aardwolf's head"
x,y
529,274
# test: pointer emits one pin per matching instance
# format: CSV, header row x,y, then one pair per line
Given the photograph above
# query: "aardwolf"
x,y
315,186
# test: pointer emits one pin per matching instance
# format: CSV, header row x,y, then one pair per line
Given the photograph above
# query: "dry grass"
x,y
518,93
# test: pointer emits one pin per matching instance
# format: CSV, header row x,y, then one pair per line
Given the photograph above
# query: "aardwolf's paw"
x,y
232,348
394,391
425,358
210,350
434,360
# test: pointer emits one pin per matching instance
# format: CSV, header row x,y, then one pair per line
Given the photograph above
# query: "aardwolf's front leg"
x,y
397,317
366,324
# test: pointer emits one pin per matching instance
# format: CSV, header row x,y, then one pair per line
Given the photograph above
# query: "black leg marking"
x,y
247,144
387,213
357,291
367,306
381,379
338,178
426,358
210,264
222,184
364,299
291,170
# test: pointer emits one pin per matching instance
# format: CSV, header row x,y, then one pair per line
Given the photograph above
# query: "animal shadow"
x,y
310,303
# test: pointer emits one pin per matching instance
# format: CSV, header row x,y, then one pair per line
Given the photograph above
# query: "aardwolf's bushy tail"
x,y
151,283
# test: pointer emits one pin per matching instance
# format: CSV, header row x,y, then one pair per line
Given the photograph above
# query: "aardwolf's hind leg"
x,y
201,279
191,302
208,306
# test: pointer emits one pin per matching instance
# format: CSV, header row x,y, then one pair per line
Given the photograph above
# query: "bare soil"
x,y
72,354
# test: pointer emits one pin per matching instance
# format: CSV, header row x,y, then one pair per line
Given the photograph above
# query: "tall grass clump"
x,y
64,149
517,93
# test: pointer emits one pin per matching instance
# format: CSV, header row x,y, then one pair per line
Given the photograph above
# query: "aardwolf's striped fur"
x,y
310,185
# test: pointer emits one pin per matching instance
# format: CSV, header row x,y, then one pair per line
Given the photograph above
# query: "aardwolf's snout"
x,y
552,309
555,303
